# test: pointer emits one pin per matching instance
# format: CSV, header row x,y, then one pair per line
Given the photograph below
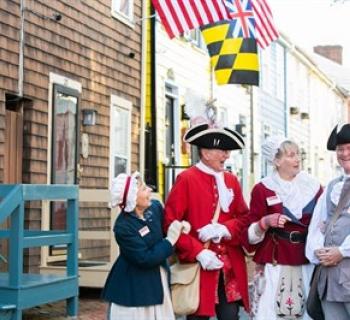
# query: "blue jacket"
x,y
134,279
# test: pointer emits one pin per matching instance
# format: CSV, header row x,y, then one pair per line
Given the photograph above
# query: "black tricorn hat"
x,y
339,135
205,136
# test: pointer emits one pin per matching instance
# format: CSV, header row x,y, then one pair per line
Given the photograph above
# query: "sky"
x,y
315,22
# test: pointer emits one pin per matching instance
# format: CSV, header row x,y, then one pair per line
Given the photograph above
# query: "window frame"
x,y
194,37
57,88
121,16
125,105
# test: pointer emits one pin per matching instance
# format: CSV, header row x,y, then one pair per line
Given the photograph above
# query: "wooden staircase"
x,y
20,290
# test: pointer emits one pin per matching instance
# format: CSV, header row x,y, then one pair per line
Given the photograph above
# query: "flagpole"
x,y
211,91
252,132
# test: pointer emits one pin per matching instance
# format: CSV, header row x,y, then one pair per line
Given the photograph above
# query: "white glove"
x,y
209,260
221,232
186,227
214,232
174,232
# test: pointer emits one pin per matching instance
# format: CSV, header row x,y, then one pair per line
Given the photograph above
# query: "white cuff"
x,y
254,236
344,248
345,252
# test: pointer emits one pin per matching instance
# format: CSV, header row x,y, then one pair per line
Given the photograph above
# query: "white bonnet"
x,y
119,192
270,147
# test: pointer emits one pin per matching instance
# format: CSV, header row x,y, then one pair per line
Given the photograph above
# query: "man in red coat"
x,y
194,197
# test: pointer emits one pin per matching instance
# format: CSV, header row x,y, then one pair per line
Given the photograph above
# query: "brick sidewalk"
x,y
91,307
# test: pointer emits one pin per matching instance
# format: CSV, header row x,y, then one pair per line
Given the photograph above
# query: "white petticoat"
x,y
157,312
266,309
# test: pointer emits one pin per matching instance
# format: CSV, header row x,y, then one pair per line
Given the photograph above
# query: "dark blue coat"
x,y
134,279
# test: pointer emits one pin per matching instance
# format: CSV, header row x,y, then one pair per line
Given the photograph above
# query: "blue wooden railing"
x,y
19,290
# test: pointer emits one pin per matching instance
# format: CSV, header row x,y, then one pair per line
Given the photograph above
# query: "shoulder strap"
x,y
216,213
344,198
215,219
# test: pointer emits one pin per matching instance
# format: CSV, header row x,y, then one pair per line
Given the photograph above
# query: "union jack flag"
x,y
243,20
252,19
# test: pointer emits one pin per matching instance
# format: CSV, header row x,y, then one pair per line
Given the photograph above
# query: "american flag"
x,y
241,13
179,16
265,28
253,19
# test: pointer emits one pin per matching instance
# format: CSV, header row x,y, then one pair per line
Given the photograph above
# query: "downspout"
x,y
154,100
143,85
285,91
21,51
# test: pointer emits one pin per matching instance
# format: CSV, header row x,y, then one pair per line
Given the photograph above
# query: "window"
x,y
280,72
123,9
222,117
195,37
64,152
265,167
120,133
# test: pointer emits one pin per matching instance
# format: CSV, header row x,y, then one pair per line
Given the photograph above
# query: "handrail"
x,y
48,192
12,205
10,202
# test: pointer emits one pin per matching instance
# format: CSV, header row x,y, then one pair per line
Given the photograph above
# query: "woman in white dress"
x,y
280,211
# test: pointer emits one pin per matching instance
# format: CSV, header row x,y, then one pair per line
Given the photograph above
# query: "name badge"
x,y
143,231
273,200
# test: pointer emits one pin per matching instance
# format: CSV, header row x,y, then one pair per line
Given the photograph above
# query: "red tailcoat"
x,y
275,249
194,197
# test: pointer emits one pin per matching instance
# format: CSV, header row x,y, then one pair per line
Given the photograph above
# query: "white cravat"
x,y
294,194
225,195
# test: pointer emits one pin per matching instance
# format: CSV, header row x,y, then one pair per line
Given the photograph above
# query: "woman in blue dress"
x,y
137,286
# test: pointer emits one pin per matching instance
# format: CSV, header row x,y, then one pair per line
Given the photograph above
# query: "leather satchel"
x,y
185,287
185,282
313,302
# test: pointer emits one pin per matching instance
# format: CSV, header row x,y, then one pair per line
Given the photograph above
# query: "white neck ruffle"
x,y
225,195
294,194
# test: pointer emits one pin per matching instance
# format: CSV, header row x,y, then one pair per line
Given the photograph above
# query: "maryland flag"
x,y
234,60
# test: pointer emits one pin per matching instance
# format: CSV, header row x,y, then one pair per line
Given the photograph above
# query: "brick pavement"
x,y
91,307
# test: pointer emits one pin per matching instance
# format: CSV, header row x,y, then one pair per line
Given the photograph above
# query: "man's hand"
x,y
208,260
213,231
329,256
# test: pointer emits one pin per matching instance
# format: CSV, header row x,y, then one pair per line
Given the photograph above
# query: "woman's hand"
x,y
174,232
274,220
186,227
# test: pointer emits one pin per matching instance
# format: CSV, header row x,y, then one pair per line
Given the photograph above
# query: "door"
x,y
12,165
169,130
64,151
13,147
